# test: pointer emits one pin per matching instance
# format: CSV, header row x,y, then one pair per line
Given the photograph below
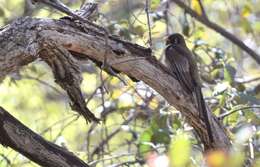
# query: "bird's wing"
x,y
179,64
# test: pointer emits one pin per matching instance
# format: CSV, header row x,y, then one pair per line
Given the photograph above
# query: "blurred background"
x,y
139,127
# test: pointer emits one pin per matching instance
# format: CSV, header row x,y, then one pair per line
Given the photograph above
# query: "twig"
x,y
250,80
167,18
218,29
147,6
129,163
235,110
110,158
64,127
204,14
56,123
136,17
6,159
92,127
251,149
63,8
95,91
44,83
111,135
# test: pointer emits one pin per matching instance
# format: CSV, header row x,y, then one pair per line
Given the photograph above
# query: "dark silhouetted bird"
x,y
180,61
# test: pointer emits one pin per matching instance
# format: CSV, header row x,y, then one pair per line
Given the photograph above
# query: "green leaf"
x,y
155,4
145,144
229,73
232,119
251,116
139,30
180,150
196,6
256,26
246,11
161,133
177,123
220,88
2,12
246,25
161,136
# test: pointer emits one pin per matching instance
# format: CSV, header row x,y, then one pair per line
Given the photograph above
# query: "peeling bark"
x,y
67,74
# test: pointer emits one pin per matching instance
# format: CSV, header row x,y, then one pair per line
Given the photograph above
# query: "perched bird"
x,y
180,61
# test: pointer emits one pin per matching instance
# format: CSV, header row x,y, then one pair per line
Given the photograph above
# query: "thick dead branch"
x,y
87,42
20,138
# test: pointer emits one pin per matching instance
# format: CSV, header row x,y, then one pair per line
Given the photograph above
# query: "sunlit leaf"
x,y
215,73
246,25
154,103
155,4
216,158
220,88
256,26
145,144
236,159
256,162
2,13
229,73
196,6
139,30
246,11
179,152
176,123
232,119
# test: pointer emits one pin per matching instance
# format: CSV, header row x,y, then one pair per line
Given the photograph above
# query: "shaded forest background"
x,y
139,128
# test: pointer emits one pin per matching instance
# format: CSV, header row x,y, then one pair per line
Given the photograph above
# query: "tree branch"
x,y
222,116
20,138
84,41
203,9
219,29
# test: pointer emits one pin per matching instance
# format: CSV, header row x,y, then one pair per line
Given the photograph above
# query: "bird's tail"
x,y
203,111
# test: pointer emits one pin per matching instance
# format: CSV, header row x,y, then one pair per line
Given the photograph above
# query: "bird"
x,y
181,63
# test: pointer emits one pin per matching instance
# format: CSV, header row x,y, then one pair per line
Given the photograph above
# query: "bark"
x,y
20,138
20,44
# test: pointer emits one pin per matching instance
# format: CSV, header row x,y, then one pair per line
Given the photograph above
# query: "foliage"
x,y
156,132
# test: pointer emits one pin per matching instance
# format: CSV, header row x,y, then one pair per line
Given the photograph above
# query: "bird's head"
x,y
175,39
